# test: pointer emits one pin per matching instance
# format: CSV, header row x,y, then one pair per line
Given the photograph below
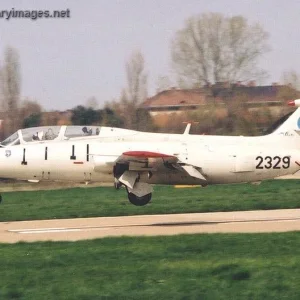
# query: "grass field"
x,y
105,201
230,266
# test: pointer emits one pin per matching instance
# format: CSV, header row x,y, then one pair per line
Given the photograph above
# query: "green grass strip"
x,y
230,266
105,201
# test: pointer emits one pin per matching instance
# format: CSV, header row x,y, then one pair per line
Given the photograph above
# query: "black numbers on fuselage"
x,y
275,162
87,152
24,162
286,162
260,161
268,162
73,156
46,153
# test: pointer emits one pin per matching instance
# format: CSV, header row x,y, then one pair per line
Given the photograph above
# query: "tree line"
x,y
210,48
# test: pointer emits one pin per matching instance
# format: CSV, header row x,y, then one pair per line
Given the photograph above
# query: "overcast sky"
x,y
66,61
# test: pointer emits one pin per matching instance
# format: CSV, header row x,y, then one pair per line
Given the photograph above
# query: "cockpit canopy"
x,y
61,133
11,140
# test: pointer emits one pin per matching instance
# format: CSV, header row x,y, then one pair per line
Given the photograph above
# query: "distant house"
x,y
177,100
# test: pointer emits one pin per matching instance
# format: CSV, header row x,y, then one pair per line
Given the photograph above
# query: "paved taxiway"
x,y
90,228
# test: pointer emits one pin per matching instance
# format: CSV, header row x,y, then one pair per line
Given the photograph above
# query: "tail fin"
x,y
287,125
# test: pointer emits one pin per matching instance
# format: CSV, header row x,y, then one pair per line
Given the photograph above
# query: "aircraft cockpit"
x,y
61,133
11,140
39,133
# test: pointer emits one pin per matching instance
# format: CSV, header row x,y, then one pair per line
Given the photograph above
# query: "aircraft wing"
x,y
155,161
146,157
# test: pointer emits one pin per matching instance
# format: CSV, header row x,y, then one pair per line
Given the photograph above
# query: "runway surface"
x,y
147,225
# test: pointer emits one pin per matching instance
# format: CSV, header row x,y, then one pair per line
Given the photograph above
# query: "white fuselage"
x,y
222,159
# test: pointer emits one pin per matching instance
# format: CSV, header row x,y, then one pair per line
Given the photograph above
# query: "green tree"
x,y
110,118
85,116
32,120
30,110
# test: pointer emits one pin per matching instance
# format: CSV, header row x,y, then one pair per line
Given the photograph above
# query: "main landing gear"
x,y
139,193
136,196
139,201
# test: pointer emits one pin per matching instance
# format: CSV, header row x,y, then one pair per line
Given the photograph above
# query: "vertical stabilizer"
x,y
289,125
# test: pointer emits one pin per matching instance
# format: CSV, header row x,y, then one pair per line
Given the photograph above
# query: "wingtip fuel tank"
x,y
294,103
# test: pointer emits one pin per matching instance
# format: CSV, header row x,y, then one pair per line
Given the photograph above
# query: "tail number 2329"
x,y
276,162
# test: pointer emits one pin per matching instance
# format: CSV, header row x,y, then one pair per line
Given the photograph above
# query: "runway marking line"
x,y
167,224
45,230
56,230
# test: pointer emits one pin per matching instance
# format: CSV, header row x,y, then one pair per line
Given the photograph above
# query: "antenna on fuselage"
x,y
188,127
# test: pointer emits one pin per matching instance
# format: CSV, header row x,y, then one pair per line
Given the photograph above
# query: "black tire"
x,y
139,201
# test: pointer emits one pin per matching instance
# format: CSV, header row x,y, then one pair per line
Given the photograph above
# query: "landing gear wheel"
x,y
0,198
139,201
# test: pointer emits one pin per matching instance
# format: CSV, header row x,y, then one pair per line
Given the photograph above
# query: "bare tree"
x,y
29,107
291,78
136,78
163,83
92,103
213,48
2,106
134,94
11,82
289,90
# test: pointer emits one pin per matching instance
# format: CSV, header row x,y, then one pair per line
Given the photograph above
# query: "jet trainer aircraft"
x,y
138,159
